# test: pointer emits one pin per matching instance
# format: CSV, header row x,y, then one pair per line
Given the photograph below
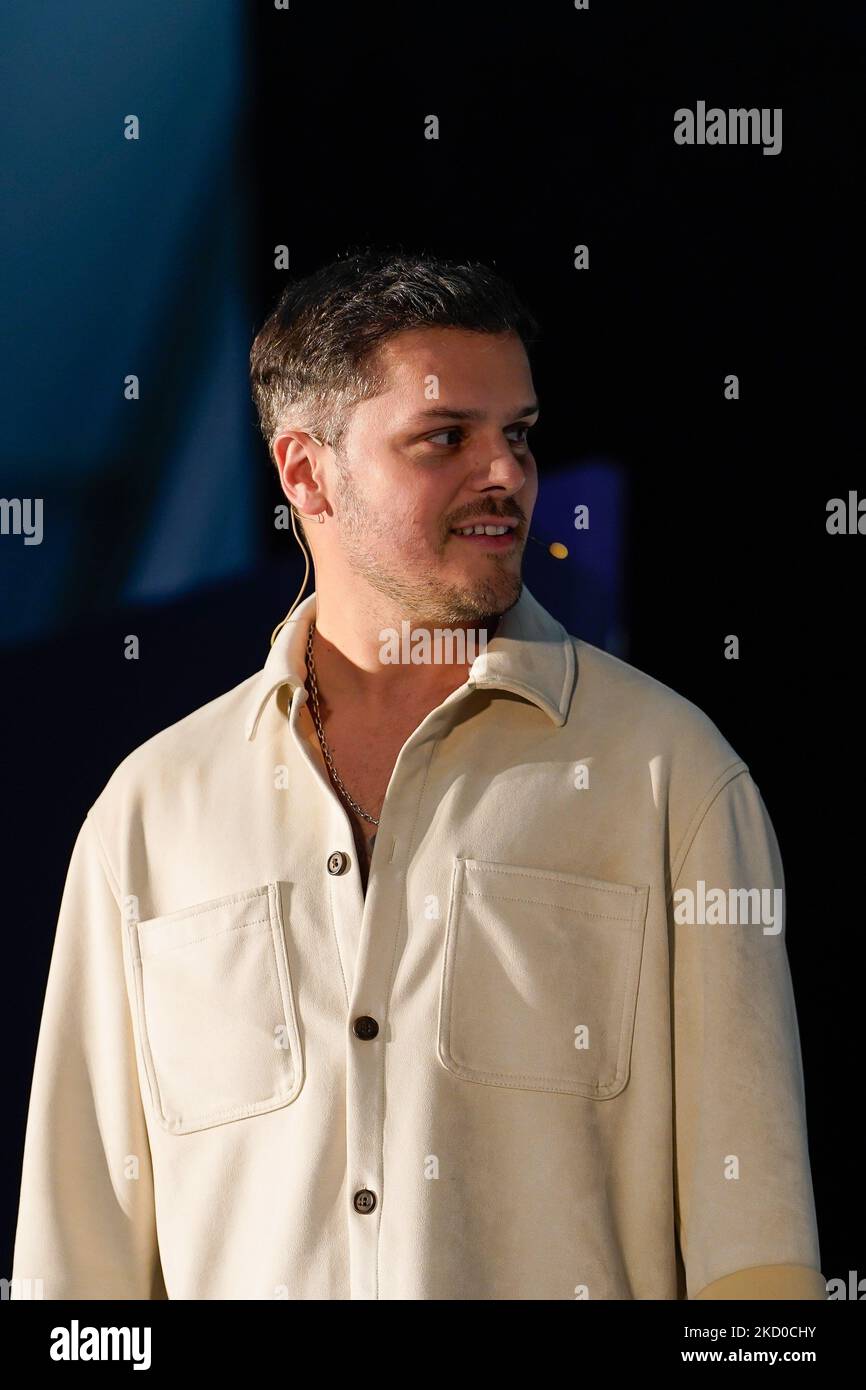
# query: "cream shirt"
x,y
508,1072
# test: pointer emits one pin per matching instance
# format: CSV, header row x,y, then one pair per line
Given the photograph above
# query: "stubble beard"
x,y
425,602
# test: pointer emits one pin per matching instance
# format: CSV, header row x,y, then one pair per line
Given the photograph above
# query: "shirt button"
x,y
364,1201
365,1027
337,862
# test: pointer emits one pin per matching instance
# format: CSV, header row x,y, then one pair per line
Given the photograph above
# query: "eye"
x,y
452,429
523,433
454,434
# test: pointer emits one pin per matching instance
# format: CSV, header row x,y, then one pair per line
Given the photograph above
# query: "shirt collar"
x,y
531,655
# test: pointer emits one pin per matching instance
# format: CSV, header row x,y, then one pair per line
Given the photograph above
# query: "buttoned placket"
x,y
366,929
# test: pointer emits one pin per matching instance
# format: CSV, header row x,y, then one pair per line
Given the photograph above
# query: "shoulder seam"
x,y
733,770
110,875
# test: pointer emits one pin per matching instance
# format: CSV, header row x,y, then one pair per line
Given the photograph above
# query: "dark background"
x,y
306,128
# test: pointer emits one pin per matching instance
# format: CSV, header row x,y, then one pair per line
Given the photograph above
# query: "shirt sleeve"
x,y
745,1215
86,1224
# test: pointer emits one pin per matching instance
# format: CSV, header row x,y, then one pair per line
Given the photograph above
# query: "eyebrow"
x,y
441,412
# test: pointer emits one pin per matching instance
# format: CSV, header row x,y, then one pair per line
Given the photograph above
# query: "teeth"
x,y
482,530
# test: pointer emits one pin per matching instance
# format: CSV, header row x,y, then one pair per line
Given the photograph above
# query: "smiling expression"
x,y
417,468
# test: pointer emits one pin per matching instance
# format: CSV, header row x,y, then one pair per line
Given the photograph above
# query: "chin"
x,y
475,600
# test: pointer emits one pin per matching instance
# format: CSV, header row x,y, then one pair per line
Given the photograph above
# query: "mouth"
x,y
498,535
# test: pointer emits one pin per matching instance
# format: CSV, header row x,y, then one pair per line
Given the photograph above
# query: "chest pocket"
x,y
215,1010
539,979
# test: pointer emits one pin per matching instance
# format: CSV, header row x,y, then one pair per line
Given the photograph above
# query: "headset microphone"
x,y
555,548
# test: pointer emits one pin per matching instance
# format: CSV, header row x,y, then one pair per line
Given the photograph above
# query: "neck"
x,y
356,661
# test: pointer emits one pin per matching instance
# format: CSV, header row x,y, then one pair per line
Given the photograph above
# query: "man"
x,y
395,979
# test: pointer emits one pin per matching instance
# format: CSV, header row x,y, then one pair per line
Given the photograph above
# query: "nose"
x,y
501,470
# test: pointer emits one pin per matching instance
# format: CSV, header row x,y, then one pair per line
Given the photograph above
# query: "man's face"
x,y
443,446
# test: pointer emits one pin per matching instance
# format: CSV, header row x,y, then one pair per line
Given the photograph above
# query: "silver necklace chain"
x,y
326,752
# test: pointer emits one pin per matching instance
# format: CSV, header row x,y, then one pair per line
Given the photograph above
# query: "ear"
x,y
298,469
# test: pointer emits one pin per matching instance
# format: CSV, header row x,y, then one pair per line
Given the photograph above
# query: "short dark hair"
x,y
316,354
